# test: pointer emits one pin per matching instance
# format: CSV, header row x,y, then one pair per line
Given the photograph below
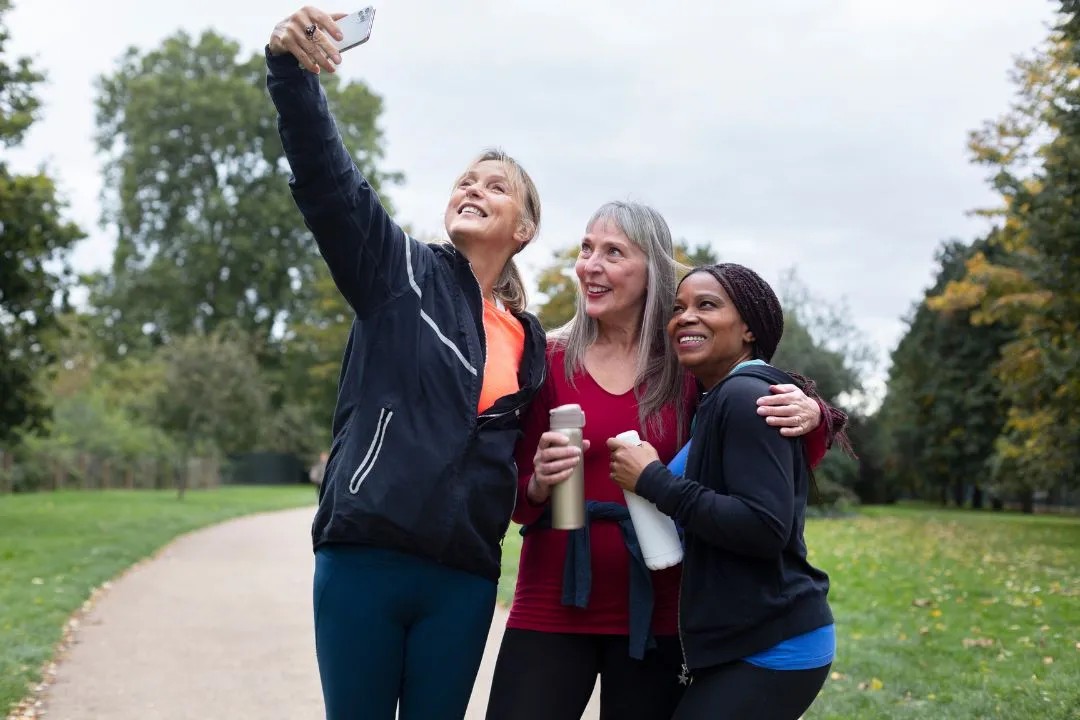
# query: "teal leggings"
x,y
392,628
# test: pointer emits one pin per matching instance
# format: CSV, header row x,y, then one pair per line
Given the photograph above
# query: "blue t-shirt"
x,y
677,466
804,652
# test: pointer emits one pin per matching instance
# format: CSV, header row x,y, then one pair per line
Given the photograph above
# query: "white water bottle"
x,y
656,532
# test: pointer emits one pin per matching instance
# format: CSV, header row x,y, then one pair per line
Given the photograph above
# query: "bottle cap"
x,y
567,417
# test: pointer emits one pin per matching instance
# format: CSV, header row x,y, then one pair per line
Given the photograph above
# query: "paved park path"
x,y
217,626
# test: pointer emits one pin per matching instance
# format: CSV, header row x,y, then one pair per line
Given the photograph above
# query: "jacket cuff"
x,y
284,65
652,481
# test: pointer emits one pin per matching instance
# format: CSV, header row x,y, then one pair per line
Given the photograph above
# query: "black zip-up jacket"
x,y
412,467
746,584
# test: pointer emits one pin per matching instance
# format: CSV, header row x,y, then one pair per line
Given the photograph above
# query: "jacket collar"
x,y
534,358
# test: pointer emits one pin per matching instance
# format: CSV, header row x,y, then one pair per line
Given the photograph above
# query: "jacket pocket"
x,y
372,455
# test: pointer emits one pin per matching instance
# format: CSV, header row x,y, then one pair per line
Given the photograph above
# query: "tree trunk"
x,y
1027,502
181,479
958,494
977,498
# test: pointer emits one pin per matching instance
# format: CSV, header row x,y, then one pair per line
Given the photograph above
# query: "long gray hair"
x,y
660,379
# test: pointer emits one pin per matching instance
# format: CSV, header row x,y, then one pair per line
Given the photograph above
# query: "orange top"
x,y
505,345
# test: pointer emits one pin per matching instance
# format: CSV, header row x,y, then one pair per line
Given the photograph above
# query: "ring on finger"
x,y
310,31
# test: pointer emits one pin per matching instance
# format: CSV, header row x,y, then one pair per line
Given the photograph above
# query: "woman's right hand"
x,y
553,464
313,50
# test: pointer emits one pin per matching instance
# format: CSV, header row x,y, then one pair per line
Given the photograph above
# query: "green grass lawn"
x,y
944,614
55,548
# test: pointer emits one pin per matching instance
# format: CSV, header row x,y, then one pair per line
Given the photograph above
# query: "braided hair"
x,y
760,308
755,302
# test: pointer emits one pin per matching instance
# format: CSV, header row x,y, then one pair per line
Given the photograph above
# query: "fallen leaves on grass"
x,y
979,642
32,707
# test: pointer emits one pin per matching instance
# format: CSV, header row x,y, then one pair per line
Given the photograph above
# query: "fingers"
x,y
614,444
782,395
325,21
779,410
554,464
315,52
786,421
551,465
553,439
300,52
327,31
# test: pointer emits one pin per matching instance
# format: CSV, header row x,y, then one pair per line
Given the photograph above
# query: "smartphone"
x,y
355,29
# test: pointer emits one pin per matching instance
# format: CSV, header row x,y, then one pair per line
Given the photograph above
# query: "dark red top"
x,y
538,596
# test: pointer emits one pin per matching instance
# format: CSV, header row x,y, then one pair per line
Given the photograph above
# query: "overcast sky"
x,y
823,134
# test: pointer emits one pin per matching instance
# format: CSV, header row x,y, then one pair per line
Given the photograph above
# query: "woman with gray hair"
x,y
585,604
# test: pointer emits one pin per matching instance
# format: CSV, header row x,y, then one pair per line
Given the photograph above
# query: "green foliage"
x,y
87,422
211,388
943,411
34,243
822,342
18,78
1033,283
196,185
559,285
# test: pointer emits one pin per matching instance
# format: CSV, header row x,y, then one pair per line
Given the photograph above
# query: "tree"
x,y
196,187
944,410
559,285
1034,286
211,389
34,244
822,342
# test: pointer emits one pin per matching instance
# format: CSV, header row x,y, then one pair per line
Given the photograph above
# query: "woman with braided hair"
x,y
755,623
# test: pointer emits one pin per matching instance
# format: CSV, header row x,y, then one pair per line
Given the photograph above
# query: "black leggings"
x,y
550,676
739,690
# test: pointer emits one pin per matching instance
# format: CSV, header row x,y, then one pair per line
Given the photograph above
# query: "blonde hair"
x,y
510,288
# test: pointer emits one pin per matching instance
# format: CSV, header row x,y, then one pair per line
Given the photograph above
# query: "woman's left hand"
x,y
789,409
628,461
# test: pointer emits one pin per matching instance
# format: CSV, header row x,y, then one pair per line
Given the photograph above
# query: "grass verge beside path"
x,y
55,548
951,615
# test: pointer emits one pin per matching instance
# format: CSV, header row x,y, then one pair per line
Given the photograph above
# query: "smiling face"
x,y
707,332
613,274
484,210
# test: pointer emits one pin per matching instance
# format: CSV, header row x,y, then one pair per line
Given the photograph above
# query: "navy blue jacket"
x,y
412,467
746,582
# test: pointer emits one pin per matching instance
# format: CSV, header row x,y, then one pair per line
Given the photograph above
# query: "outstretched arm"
x,y
367,253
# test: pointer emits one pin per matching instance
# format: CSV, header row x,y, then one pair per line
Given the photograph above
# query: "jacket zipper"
x,y
474,428
684,674
489,416
374,449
